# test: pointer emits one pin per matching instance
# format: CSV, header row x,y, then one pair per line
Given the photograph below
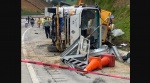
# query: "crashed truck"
x,y
78,33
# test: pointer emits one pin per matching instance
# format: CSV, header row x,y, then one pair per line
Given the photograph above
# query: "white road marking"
x,y
24,35
29,66
32,73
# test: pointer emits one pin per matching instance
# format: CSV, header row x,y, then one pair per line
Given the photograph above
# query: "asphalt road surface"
x,y
34,43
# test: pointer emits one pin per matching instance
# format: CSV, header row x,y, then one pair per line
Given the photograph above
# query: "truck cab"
x,y
73,22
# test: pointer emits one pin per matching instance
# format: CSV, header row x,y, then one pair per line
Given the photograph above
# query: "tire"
x,y
126,57
52,48
54,40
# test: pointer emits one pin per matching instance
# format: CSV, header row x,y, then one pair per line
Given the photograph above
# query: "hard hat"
x,y
112,16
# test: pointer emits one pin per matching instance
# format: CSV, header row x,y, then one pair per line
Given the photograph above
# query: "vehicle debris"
x,y
126,57
117,32
123,44
79,37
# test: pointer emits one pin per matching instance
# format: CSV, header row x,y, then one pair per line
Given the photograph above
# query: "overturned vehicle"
x,y
78,32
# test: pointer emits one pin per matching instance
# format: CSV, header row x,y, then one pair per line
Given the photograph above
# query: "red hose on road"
x,y
68,68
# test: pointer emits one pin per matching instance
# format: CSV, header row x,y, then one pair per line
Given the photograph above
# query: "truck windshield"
x,y
89,18
90,21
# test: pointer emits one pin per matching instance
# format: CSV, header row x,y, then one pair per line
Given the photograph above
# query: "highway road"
x,y
34,43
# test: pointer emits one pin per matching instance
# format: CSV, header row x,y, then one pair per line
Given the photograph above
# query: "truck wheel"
x,y
52,48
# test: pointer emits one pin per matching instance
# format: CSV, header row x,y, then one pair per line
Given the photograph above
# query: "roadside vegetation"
x,y
121,11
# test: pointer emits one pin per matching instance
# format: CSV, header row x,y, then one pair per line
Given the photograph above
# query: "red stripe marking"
x,y
68,68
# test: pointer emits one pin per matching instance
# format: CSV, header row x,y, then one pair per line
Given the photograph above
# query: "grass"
x,y
122,19
70,1
25,12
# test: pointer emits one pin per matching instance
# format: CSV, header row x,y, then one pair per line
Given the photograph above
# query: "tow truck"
x,y
78,32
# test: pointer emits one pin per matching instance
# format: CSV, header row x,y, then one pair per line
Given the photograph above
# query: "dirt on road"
x,y
36,44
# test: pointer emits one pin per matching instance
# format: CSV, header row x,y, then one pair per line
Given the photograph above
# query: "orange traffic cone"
x,y
108,60
105,61
94,63
99,62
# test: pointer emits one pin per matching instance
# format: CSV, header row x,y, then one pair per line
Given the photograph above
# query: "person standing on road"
x,y
39,22
26,23
32,22
28,19
47,25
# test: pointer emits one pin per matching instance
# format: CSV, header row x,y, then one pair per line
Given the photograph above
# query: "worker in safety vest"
x,y
39,22
42,20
